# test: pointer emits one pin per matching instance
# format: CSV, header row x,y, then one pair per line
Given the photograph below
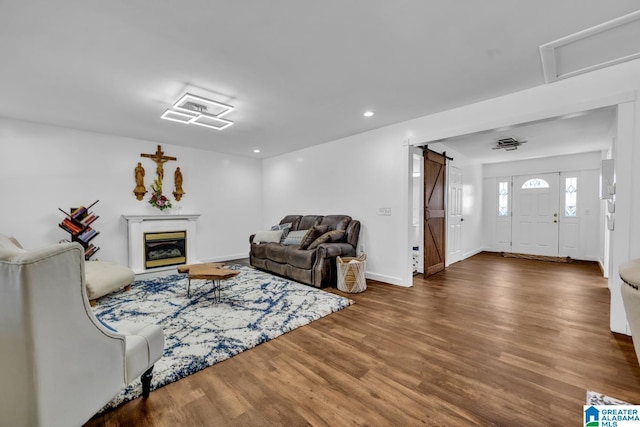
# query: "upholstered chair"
x,y
630,275
59,365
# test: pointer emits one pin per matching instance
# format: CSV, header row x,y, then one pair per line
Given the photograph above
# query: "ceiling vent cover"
x,y
508,144
603,45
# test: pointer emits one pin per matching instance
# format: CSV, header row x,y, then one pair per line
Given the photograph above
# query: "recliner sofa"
x,y
316,266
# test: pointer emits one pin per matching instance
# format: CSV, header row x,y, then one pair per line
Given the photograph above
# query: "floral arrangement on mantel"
x,y
158,200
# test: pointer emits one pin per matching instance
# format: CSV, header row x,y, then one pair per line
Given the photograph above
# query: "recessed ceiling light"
x,y
256,151
368,113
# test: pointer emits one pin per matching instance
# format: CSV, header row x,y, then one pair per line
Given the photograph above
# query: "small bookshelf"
x,y
77,222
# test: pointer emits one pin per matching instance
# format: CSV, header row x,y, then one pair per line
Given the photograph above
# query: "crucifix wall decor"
x,y
157,198
160,160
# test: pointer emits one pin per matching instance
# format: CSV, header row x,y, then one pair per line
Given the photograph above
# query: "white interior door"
x,y
454,219
535,214
417,251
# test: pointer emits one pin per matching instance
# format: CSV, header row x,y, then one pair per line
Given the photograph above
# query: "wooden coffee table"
x,y
213,271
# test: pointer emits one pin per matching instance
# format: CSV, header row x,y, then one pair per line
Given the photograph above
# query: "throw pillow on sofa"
x,y
294,238
328,237
268,236
313,233
285,229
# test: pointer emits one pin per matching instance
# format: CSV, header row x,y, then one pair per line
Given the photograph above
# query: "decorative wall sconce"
x,y
177,182
140,189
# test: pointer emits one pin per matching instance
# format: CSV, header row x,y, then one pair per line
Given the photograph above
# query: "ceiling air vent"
x,y
508,144
603,45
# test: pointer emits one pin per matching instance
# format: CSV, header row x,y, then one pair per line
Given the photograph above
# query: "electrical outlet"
x,y
384,211
361,248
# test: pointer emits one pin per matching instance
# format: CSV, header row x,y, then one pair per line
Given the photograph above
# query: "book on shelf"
x,y
77,222
90,236
78,212
71,225
91,249
89,219
81,212
87,234
61,225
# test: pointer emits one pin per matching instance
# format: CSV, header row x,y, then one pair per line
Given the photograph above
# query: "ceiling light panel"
x,y
212,122
189,103
177,116
193,109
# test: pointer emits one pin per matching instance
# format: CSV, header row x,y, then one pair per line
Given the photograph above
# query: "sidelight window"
x,y
503,198
570,196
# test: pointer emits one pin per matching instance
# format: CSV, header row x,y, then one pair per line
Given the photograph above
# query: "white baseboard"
x,y
225,258
386,279
472,253
373,276
171,269
157,272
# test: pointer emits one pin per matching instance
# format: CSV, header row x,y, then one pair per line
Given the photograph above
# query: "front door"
x,y
435,208
535,214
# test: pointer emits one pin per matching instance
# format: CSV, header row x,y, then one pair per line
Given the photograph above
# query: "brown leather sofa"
x,y
315,267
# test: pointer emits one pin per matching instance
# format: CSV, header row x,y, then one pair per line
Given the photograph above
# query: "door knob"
x,y
555,215
461,219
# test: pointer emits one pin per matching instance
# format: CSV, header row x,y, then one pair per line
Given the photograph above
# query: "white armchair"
x,y
630,275
58,364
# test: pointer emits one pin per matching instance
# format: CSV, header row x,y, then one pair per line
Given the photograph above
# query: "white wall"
x,y
354,176
46,167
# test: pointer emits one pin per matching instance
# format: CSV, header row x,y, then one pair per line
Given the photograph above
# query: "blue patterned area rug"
x,y
255,307
594,398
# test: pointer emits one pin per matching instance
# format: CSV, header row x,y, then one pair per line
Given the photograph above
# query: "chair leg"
x,y
146,382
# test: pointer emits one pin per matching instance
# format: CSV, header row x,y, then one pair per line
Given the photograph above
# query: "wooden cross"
x,y
160,159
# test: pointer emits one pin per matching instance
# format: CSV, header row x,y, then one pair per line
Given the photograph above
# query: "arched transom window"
x,y
535,183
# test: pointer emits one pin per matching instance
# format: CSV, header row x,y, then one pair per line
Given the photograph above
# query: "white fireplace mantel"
x,y
137,225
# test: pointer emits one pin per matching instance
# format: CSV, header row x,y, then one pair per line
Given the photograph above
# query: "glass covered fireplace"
x,y
162,249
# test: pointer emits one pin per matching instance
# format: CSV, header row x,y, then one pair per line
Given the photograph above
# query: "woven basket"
x,y
351,273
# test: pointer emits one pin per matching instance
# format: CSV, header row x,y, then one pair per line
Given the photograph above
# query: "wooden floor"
x,y
490,341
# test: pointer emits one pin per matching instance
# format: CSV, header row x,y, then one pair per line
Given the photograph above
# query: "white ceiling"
x,y
299,72
590,131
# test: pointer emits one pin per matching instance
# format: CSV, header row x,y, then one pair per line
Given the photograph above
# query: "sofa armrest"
x,y
332,250
251,238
